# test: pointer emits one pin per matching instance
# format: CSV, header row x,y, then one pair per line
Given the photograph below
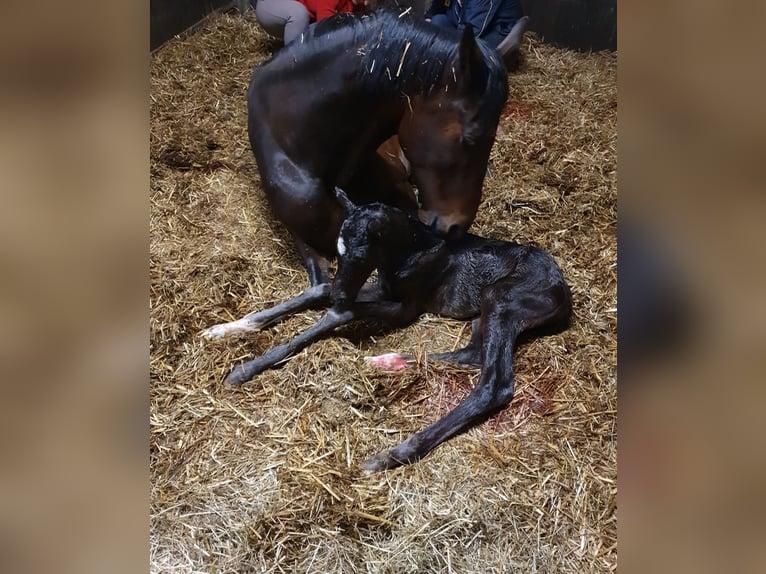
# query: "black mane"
x,y
397,54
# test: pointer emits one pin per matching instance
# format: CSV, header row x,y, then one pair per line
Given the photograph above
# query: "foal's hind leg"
x,y
507,310
468,355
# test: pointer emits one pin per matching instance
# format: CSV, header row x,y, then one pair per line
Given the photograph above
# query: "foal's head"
x,y
371,237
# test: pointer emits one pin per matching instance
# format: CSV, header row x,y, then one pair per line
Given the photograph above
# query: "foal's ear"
x,y
472,70
341,196
418,260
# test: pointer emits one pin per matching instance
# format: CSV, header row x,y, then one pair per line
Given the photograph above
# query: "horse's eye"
x,y
466,141
470,134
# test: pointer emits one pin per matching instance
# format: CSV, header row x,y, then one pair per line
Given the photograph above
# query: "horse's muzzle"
x,y
446,226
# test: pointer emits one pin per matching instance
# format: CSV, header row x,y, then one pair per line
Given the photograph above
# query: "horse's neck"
x,y
400,69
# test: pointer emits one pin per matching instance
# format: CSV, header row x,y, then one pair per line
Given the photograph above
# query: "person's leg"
x,y
284,19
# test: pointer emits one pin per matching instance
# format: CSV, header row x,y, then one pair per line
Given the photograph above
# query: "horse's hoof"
x,y
216,332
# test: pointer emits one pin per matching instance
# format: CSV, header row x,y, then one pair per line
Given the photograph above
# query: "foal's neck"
x,y
418,256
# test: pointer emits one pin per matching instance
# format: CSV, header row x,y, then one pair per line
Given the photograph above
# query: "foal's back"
x,y
445,277
472,263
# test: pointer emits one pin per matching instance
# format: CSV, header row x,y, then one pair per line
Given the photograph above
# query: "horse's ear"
x,y
341,196
511,44
472,71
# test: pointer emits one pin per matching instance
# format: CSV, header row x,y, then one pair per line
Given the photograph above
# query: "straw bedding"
x,y
266,478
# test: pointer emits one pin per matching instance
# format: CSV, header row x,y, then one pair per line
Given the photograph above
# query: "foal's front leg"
x,y
317,296
334,318
329,322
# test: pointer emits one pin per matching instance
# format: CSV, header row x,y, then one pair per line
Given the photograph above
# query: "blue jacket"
x,y
491,20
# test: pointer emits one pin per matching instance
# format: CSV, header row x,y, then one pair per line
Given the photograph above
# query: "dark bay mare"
x,y
321,107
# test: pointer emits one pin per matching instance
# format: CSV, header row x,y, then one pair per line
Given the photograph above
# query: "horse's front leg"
x,y
313,297
317,266
313,217
302,201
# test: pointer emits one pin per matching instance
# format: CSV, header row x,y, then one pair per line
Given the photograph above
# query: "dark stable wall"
x,y
171,17
585,25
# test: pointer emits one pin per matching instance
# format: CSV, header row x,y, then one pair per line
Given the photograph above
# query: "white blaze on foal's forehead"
x,y
341,246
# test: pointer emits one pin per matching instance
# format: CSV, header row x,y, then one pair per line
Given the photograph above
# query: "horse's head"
x,y
447,135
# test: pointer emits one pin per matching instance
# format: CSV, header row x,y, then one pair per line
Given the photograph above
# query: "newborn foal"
x,y
506,288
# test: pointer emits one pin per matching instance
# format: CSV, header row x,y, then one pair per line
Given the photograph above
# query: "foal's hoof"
x,y
247,371
238,376
382,461
216,332
388,362
376,463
